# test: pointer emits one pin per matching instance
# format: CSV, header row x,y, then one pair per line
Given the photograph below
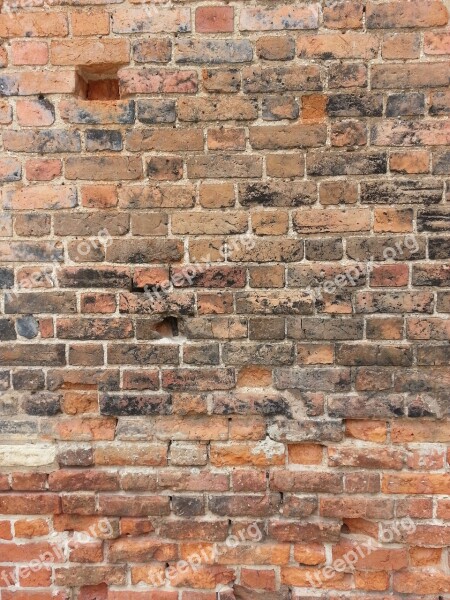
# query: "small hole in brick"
x,y
103,89
99,82
168,327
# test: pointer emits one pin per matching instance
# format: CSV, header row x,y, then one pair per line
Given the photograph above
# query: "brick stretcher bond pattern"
x,y
225,300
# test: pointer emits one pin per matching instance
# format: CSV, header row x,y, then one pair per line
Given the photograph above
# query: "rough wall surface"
x,y
225,306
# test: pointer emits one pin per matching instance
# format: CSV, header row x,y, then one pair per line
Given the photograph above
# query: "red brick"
x,y
405,13
43,169
282,17
214,19
29,53
90,21
90,52
33,24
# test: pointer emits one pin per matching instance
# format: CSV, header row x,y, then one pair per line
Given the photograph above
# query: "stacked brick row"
x,y
225,298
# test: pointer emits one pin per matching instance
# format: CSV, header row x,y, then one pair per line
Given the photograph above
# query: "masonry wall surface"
x,y
225,300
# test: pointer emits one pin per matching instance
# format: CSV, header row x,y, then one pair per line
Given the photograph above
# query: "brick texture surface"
x,y
225,300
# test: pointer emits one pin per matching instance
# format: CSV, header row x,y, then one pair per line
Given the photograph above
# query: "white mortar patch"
x,y
27,455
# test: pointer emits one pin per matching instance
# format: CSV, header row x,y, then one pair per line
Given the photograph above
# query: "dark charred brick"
x,y
156,111
75,456
269,328
324,249
433,220
321,164
439,248
6,278
425,191
42,404
33,302
135,405
28,379
297,193
188,506
89,277
355,105
7,330
103,139
364,406
249,506
441,163
399,105
206,354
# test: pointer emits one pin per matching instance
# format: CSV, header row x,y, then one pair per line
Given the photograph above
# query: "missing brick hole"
x,y
168,327
345,529
99,82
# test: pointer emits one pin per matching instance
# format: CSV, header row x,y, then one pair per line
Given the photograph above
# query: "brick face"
x,y
224,300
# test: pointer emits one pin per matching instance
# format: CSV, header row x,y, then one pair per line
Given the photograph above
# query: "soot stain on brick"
x,y
259,194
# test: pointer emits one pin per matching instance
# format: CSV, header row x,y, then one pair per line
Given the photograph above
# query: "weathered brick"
x,y
313,379
152,81
156,50
275,48
332,221
221,80
45,82
89,21
347,75
342,14
405,191
153,19
154,139
401,46
112,168
33,24
276,109
273,303
281,79
410,134
89,52
279,194
282,17
50,141
222,138
225,165
338,46
335,164
220,109
29,53
415,75
214,19
289,136
156,111
97,112
213,51
415,13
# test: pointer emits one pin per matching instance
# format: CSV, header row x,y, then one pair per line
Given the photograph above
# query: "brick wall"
x,y
225,300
